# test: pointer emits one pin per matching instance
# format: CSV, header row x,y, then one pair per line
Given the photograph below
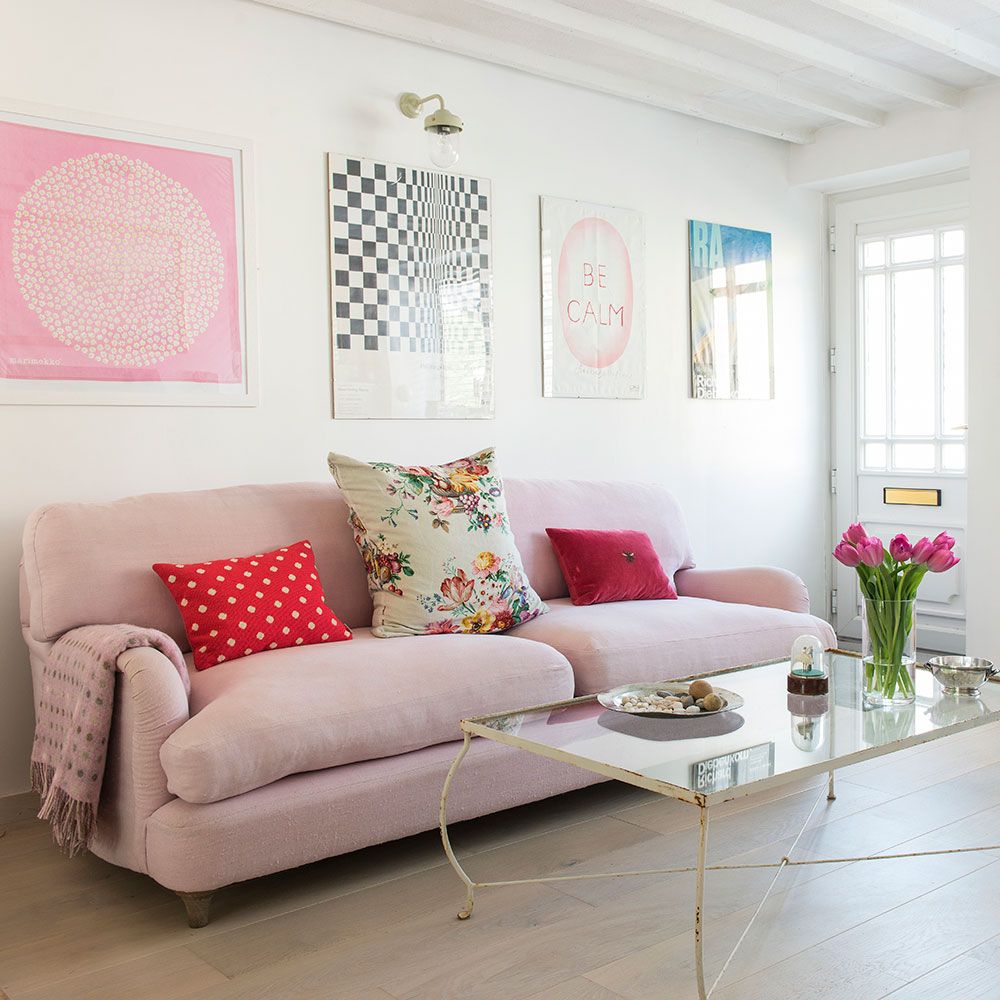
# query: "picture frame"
x,y
127,262
732,312
593,300
411,291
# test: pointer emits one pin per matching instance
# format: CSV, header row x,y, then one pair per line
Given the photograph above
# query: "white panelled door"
x,y
900,349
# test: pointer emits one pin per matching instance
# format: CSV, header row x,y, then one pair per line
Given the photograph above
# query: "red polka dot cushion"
x,y
243,605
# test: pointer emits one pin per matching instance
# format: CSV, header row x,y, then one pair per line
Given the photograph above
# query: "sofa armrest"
x,y
151,701
764,586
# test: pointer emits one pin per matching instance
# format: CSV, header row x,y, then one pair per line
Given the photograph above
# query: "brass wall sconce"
x,y
442,127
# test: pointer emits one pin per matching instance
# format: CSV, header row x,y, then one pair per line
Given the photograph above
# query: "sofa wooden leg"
x,y
197,905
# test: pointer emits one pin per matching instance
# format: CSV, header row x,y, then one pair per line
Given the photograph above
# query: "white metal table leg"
x,y
831,794
699,901
443,822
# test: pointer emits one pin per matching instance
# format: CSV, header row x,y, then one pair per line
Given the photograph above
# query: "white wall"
x,y
908,144
751,475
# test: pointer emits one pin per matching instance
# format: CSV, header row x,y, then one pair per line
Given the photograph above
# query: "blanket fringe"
x,y
72,821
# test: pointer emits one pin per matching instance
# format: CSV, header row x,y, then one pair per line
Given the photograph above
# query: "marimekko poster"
x,y
411,291
731,326
122,273
593,308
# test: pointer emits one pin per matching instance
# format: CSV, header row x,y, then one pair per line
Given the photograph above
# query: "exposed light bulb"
x,y
444,148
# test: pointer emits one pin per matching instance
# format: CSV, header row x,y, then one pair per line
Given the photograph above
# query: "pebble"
x,y
676,704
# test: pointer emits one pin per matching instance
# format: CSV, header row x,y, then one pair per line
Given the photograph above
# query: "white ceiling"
x,y
783,68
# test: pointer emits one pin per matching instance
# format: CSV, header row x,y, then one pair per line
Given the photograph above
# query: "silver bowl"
x,y
962,675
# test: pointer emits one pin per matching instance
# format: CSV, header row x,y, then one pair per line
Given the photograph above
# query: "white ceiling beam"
x,y
922,30
357,14
586,27
809,49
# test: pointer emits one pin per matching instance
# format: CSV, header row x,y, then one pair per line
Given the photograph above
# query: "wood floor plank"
x,y
950,758
911,939
380,924
576,989
988,951
764,835
793,921
832,975
170,975
403,957
963,978
15,808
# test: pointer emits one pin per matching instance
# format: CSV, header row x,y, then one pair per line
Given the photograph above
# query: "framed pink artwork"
x,y
593,301
126,264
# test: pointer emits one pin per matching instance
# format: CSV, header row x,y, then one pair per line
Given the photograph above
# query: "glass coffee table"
x,y
773,739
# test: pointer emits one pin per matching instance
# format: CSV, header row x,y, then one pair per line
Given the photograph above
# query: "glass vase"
x,y
889,652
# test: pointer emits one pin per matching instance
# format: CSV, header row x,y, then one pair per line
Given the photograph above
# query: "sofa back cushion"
x,y
537,504
89,563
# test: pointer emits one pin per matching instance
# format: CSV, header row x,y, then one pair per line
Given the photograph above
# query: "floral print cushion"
x,y
437,546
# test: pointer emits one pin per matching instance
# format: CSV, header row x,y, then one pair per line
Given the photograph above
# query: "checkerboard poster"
x,y
411,285
593,313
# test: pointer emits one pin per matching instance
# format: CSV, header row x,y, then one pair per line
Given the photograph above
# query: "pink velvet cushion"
x,y
604,566
285,711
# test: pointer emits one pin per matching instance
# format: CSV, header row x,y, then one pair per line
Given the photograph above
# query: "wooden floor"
x,y
380,924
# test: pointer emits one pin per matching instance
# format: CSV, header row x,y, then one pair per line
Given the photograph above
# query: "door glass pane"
x,y
907,249
873,352
953,349
953,243
913,456
873,254
875,455
913,350
953,457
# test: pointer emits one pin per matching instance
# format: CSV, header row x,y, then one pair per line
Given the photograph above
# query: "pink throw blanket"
x,y
74,722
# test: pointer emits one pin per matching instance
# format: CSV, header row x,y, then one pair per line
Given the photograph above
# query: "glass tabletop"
x,y
774,738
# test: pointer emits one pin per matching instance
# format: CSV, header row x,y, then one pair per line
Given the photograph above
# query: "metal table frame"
x,y
481,727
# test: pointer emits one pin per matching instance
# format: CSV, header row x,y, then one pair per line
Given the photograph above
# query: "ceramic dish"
x,y
613,699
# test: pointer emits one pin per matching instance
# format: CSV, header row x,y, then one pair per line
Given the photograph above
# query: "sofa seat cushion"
x,y
286,711
612,644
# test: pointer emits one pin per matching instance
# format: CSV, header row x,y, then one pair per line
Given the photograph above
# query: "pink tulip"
x,y
855,534
847,554
941,559
944,540
922,551
871,551
900,548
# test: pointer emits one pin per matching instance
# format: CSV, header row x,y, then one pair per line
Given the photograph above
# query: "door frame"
x,y
947,198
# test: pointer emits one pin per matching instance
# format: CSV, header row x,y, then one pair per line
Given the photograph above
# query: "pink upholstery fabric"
x,y
306,817
765,586
89,563
612,644
76,577
537,504
292,710
150,703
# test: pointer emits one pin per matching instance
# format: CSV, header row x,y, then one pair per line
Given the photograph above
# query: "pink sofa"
x,y
294,755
